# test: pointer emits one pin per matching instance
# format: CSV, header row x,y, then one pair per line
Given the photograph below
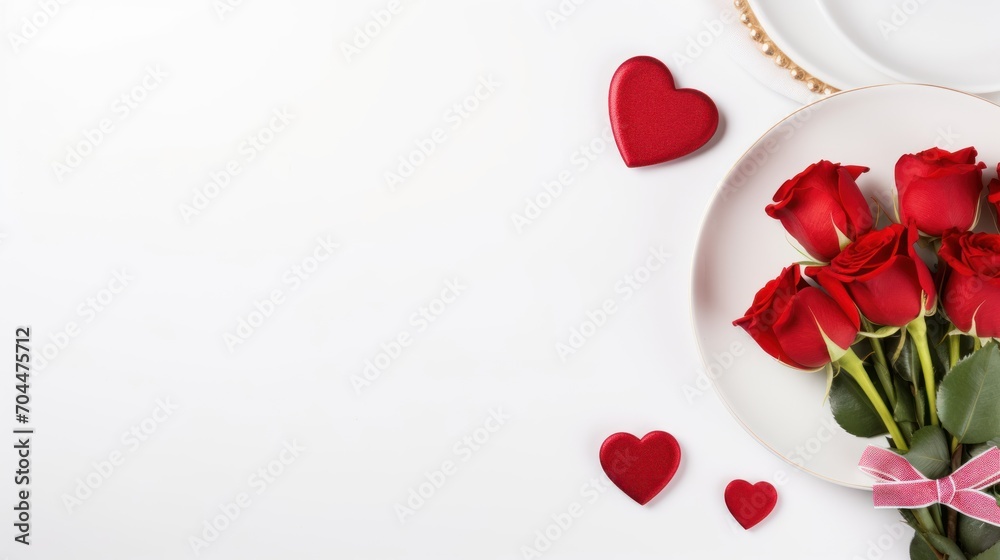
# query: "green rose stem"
x,y
918,330
956,462
954,348
925,520
853,366
954,355
886,381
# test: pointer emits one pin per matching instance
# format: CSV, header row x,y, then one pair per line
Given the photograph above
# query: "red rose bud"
x,y
793,321
939,190
971,295
881,275
823,208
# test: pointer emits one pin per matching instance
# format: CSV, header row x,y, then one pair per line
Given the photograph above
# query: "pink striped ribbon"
x,y
904,487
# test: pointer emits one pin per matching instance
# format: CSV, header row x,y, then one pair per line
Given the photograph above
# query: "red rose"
x,y
994,197
971,294
823,208
789,319
939,190
880,274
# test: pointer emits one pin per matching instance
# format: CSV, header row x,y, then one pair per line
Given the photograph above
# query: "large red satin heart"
x,y
750,503
640,468
652,121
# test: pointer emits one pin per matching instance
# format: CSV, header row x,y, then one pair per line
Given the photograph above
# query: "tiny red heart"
x,y
654,122
750,503
640,468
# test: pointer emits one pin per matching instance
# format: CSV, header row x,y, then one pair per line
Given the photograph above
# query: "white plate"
x,y
801,31
955,44
740,249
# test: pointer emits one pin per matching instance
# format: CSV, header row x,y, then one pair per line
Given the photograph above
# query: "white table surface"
x,y
494,347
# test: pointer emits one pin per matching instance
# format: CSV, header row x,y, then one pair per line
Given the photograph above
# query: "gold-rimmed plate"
x,y
801,31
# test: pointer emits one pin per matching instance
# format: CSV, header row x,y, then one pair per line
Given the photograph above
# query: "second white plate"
x,y
954,44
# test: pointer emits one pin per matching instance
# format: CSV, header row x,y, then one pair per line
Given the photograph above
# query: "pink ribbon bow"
x,y
906,488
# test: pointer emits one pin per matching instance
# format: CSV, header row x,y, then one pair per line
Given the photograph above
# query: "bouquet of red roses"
x,y
902,318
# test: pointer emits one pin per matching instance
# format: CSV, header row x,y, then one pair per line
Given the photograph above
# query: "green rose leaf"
x,y
907,364
920,547
970,396
976,536
905,410
885,379
946,545
991,554
920,404
852,409
920,550
929,452
909,519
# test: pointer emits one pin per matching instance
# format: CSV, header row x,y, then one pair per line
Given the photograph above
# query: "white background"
x,y
495,347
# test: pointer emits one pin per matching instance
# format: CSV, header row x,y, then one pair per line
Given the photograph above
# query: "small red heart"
x,y
750,504
654,122
640,468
